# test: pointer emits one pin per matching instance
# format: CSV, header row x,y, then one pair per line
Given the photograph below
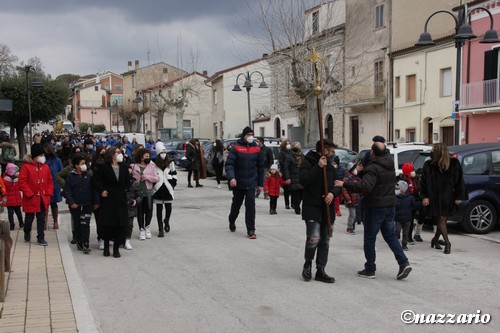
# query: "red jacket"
x,y
35,181
272,185
13,192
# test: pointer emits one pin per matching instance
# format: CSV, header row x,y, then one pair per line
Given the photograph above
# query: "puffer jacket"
x,y
35,181
78,189
377,183
245,164
405,206
13,194
272,184
149,173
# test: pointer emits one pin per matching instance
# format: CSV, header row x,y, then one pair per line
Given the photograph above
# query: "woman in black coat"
x,y
192,162
291,172
111,181
443,189
285,158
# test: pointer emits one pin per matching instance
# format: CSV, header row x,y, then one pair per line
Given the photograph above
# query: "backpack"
x,y
10,154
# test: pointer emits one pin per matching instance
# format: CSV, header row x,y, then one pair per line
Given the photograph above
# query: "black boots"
x,y
116,252
167,225
160,229
306,272
322,276
106,248
198,184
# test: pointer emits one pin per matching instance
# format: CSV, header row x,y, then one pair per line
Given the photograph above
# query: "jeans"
x,y
10,212
40,222
351,218
81,218
317,242
375,220
249,196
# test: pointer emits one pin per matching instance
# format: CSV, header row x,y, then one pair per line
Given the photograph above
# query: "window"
x,y
476,164
96,88
118,87
397,87
378,76
410,135
397,134
133,81
353,71
261,131
495,159
407,156
215,130
315,22
411,88
215,96
106,86
379,16
186,123
445,82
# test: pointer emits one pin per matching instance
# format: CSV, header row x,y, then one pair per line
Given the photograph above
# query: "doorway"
x,y
329,127
448,135
277,128
355,133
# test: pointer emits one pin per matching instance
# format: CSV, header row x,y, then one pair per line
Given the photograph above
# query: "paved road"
x,y
203,278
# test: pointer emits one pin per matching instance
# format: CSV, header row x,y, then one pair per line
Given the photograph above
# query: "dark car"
x,y
481,168
345,155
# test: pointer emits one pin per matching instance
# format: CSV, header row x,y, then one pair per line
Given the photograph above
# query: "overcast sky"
x,y
89,36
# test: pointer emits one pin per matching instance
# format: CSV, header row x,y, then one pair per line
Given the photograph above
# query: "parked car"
x,y
181,151
401,153
481,168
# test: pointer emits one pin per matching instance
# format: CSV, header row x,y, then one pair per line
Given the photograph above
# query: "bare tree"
x,y
7,61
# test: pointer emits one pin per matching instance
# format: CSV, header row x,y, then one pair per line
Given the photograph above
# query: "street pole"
x,y
458,45
29,108
249,110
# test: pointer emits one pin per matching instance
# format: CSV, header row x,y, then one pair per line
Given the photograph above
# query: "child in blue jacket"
x,y
405,206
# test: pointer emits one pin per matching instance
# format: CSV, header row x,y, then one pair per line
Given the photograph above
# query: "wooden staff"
x,y
315,58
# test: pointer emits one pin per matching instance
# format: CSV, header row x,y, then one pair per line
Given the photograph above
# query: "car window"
x,y
495,159
407,157
476,164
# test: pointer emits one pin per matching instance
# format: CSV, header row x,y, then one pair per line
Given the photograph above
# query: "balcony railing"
x,y
480,94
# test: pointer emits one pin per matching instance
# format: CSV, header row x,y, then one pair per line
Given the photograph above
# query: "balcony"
x,y
365,94
481,94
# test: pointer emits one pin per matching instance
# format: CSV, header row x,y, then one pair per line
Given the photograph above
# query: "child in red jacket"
x,y
13,195
272,187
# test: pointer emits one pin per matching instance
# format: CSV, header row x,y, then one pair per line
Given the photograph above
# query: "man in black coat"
x,y
379,201
268,158
314,208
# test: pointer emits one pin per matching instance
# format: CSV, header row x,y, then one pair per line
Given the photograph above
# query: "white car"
x,y
401,153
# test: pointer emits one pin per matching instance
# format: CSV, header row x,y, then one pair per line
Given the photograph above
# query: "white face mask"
x,y
163,155
355,172
250,139
83,168
41,159
413,174
398,192
119,158
288,147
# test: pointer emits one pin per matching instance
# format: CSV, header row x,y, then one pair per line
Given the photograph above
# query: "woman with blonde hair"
x,y
443,189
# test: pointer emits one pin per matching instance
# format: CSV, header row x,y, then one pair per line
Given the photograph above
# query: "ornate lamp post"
x,y
35,82
248,85
463,31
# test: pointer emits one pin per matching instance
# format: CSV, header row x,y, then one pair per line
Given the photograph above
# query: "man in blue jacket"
x,y
245,172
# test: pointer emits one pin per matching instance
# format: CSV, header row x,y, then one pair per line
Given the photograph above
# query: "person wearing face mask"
x,y
14,200
79,197
218,160
409,176
245,172
164,188
35,182
405,206
351,199
144,170
285,158
88,148
111,181
56,166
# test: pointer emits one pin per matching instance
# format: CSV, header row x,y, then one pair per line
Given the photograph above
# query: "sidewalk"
x,y
38,297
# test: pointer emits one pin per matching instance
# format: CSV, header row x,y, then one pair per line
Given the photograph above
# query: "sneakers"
x,y
142,234
366,274
42,242
411,241
101,244
417,238
404,271
128,246
405,247
148,232
27,236
351,231
251,234
86,248
79,246
218,185
232,226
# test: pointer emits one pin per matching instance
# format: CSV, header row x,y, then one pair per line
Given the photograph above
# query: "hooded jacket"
x,y
377,183
35,181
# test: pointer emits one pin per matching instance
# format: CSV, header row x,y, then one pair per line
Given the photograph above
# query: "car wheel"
x,y
480,217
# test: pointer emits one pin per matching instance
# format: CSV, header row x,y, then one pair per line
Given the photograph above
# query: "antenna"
x,y
147,52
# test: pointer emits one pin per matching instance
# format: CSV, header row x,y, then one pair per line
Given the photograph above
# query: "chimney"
x,y
130,65
205,73
137,65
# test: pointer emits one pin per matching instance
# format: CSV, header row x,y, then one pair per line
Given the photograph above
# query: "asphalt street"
x,y
203,278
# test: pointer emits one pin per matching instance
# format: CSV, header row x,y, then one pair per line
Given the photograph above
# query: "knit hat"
x,y
402,186
378,138
274,167
365,159
407,169
336,159
11,169
246,130
351,166
37,150
160,147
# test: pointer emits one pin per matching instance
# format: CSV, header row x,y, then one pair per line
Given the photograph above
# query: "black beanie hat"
x,y
246,130
37,150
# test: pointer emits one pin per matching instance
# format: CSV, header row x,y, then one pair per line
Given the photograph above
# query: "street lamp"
x,y
35,82
248,85
93,112
463,31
